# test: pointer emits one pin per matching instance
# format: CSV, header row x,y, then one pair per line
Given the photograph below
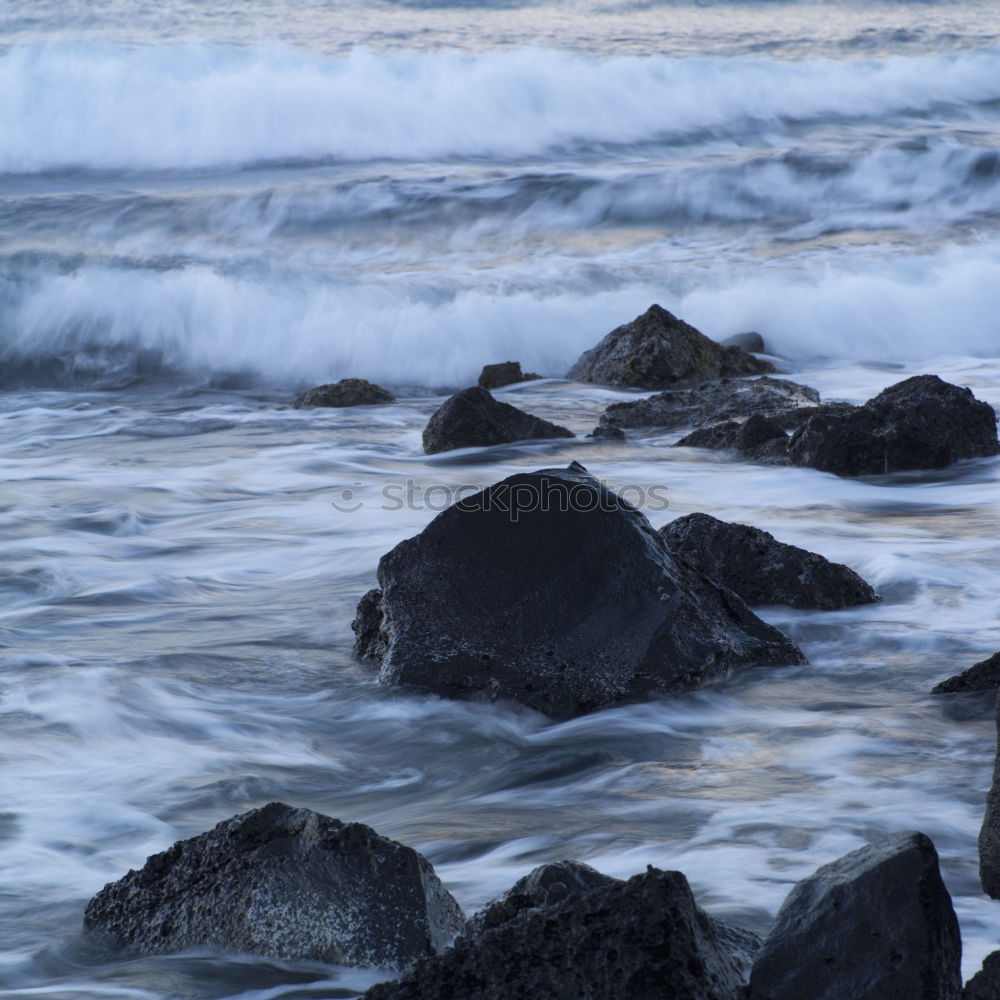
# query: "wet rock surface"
x,y
762,570
550,590
346,392
875,924
981,676
283,882
985,984
657,350
566,932
473,418
989,833
504,373
919,423
757,438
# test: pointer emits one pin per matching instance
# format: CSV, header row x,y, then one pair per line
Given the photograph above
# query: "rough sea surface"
x,y
206,207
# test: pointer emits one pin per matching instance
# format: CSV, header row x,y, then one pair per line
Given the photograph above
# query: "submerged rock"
x,y
284,882
920,423
989,833
656,350
875,924
566,932
750,341
550,590
757,437
761,569
504,373
473,418
981,676
346,392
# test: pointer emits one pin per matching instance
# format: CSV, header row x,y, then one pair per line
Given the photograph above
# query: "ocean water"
x,y
207,206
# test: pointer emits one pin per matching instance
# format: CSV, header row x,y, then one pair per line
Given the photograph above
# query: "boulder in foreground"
x,y
762,570
876,924
473,418
504,373
566,934
919,423
346,392
657,350
981,676
283,882
550,590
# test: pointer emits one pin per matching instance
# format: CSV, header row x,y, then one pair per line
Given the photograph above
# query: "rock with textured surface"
x,y
582,939
989,833
504,373
981,676
657,350
761,569
920,423
757,437
877,924
473,418
346,392
550,590
985,984
283,882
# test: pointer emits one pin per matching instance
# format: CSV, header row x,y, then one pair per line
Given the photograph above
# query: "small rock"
x,y
505,373
982,676
876,924
283,882
920,423
346,392
657,350
989,833
749,341
761,569
473,418
985,984
607,434
757,437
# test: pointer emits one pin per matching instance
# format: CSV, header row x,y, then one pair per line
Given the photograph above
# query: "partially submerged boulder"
x,y
550,590
919,423
563,935
985,984
758,438
714,402
473,418
750,341
989,833
981,676
346,392
283,882
504,373
762,570
656,350
875,924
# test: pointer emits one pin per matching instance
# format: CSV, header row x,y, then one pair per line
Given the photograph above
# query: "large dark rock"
x,y
504,373
473,418
920,423
548,589
981,676
877,924
282,882
346,392
761,569
656,350
714,402
989,833
560,935
985,984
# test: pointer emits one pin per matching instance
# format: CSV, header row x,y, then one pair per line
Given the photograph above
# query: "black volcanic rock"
x,y
346,392
563,935
761,569
989,833
504,373
920,423
656,350
981,676
284,882
985,984
757,437
473,418
876,924
550,590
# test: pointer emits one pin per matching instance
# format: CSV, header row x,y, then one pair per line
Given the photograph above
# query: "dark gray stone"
x,y
550,590
657,350
989,833
757,437
282,882
713,402
607,434
761,569
644,939
504,373
985,984
473,418
346,392
749,341
920,423
877,924
981,676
